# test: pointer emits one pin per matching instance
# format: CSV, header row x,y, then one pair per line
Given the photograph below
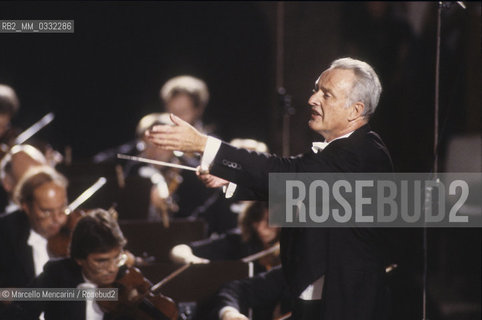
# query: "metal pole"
x,y
435,155
280,12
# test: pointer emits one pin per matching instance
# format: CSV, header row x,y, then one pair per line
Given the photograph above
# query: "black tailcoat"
x,y
352,259
16,259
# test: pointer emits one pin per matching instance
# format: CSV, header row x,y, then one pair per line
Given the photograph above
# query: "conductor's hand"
x,y
182,136
209,180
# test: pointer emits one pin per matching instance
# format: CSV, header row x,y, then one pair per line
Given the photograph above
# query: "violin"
x,y
268,258
161,195
139,299
58,245
271,259
165,182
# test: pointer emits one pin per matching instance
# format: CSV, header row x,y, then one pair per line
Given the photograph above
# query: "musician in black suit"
x,y
234,299
252,236
332,273
41,193
96,260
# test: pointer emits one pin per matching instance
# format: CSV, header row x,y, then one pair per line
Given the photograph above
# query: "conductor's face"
x,y
329,115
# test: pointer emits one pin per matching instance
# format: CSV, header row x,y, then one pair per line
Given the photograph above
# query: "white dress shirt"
x,y
39,251
92,309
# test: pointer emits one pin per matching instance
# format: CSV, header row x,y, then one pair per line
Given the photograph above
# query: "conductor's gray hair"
x,y
367,87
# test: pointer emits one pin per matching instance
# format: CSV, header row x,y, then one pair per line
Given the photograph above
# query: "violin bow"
x,y
160,163
33,129
284,317
84,196
171,276
261,254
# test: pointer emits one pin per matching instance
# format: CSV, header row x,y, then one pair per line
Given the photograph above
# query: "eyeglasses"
x,y
47,213
119,261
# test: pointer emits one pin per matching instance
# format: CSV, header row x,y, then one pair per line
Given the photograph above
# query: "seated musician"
x,y
253,235
162,180
96,253
12,167
186,97
9,105
174,192
266,293
221,210
41,193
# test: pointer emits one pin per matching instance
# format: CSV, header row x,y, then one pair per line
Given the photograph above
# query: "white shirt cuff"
x,y
226,309
210,151
229,190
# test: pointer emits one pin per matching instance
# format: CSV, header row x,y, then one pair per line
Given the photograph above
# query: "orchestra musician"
x,y
164,180
264,292
41,194
174,191
96,255
9,105
187,97
222,209
253,235
12,167
332,273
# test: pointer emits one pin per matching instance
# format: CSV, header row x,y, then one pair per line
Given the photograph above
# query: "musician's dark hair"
x,y
96,232
254,212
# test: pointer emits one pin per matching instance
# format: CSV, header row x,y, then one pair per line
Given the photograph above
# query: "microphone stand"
x,y
440,6
284,100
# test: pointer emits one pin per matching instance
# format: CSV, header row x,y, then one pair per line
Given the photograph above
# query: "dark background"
x,y
100,80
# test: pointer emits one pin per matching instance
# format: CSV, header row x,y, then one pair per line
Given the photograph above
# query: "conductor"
x,y
332,273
